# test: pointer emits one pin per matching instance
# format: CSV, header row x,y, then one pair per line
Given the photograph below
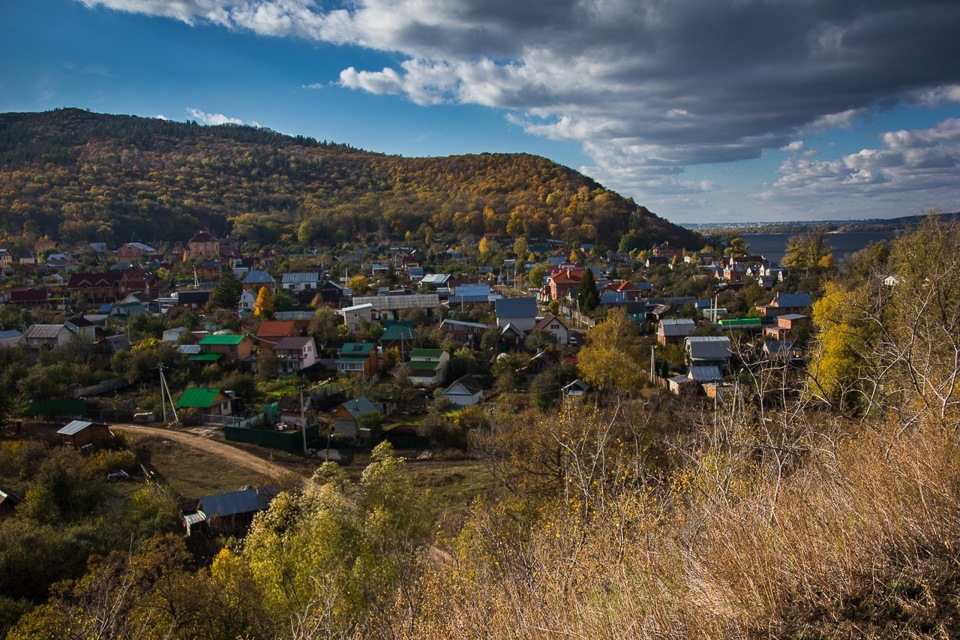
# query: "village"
x,y
323,354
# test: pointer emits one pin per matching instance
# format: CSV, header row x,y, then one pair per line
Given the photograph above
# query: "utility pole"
x,y
303,418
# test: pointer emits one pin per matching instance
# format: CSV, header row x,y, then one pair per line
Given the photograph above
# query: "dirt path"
x,y
205,443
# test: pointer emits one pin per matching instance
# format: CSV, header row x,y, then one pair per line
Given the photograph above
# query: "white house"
x,y
465,391
296,353
554,326
353,315
428,366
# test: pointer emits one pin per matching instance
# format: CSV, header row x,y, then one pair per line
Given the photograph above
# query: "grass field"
x,y
192,473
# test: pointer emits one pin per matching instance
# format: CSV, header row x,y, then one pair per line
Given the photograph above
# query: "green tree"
x,y
226,295
588,298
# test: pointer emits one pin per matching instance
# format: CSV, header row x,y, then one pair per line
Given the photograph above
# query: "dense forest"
x,y
78,176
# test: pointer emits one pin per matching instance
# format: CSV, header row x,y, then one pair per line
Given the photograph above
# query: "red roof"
x,y
277,329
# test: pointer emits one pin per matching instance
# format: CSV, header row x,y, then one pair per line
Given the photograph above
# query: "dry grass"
x,y
861,541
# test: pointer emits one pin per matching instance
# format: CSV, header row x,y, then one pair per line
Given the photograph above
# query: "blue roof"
x,y
516,308
793,300
234,503
258,277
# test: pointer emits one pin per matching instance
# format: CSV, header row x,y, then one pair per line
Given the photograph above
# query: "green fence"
x,y
289,441
59,408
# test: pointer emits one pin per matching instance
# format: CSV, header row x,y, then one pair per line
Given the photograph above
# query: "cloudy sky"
x,y
702,110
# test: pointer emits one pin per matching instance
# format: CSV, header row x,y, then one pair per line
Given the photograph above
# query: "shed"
x,y
80,433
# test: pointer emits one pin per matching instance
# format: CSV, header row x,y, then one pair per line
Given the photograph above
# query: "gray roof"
x,y
299,278
10,334
792,300
708,347
436,278
74,428
705,374
516,308
293,342
468,382
44,330
677,326
464,323
235,502
359,407
256,276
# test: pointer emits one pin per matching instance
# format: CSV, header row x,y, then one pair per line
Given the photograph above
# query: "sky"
x,y
704,111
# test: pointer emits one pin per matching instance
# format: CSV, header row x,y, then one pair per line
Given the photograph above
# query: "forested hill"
x,y
78,176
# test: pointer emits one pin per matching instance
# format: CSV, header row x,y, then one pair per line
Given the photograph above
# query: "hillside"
x,y
79,176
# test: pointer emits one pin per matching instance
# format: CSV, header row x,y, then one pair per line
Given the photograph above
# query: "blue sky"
x,y
702,110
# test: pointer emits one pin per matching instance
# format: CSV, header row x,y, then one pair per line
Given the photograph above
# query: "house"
x,y
296,353
40,336
784,303
521,313
255,279
708,351
511,336
354,315
346,418
6,259
301,281
705,374
400,336
554,326
80,433
206,400
248,301
464,391
780,351
8,503
428,366
470,294
464,333
562,282
83,328
135,252
292,413
540,362
233,347
674,330
173,335
787,325
358,357
29,297
203,244
575,389
271,332
334,294
197,299
109,286
233,509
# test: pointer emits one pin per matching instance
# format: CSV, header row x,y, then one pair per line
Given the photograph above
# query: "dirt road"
x,y
236,456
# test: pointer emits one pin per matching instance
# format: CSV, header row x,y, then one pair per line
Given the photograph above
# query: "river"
x,y
772,246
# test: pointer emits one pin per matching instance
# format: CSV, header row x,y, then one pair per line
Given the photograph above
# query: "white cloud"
x,y
642,85
211,118
927,159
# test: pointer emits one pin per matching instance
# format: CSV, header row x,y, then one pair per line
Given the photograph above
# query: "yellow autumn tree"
x,y
611,358
263,307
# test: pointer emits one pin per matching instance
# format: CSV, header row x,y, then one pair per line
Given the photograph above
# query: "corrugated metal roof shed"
x,y
73,428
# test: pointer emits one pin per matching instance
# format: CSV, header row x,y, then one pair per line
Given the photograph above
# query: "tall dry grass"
x,y
861,540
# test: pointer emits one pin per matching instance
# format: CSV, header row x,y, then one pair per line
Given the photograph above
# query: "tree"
x,y
521,249
536,275
359,284
263,307
611,357
226,295
588,299
809,252
736,247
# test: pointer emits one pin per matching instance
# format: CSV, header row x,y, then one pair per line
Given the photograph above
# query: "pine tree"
x,y
587,296
226,295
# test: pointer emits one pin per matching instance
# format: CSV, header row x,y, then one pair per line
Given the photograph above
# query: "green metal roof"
x,y
198,397
356,349
206,357
224,339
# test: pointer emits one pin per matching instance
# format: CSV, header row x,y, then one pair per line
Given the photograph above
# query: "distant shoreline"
x,y
800,227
